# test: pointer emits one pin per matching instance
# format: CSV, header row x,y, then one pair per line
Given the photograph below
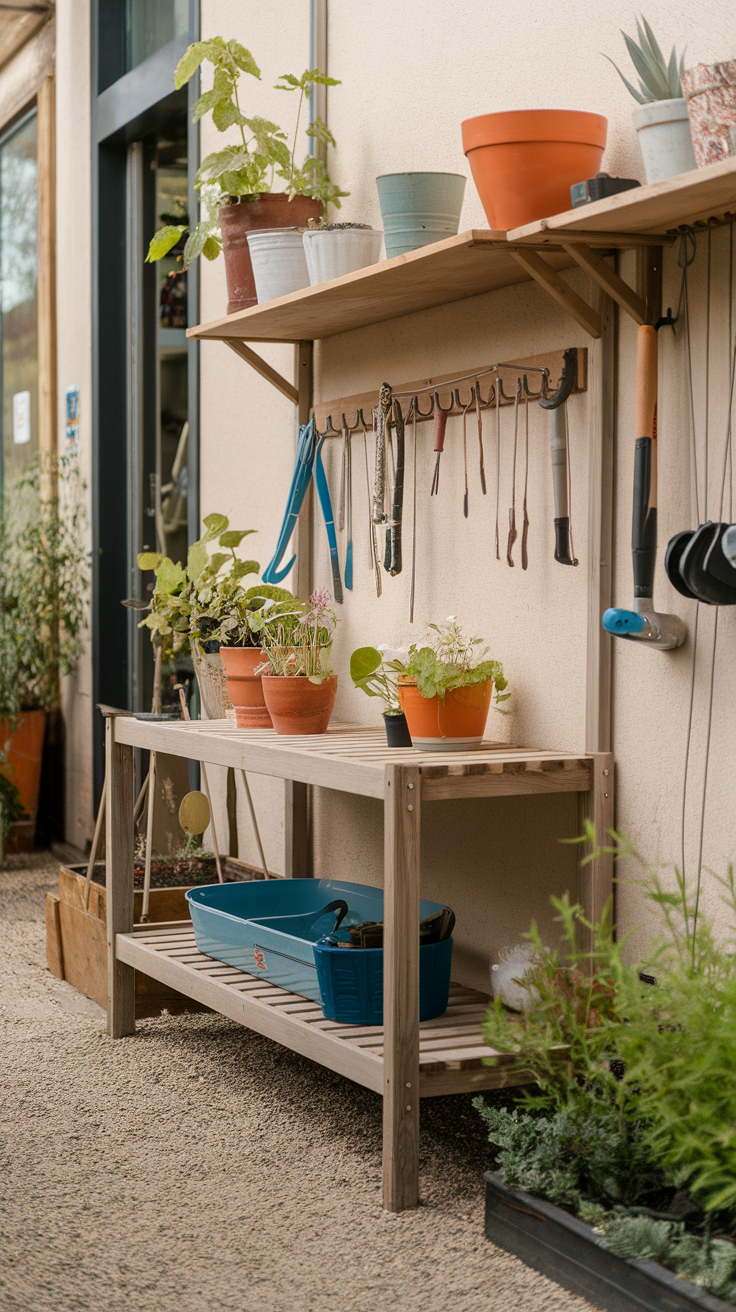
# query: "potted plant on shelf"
x,y
335,249
298,685
660,118
235,183
374,670
419,208
200,610
44,579
445,689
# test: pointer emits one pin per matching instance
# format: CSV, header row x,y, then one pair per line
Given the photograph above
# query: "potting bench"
x,y
403,1059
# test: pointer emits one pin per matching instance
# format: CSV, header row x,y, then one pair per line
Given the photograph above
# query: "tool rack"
x,y
403,1059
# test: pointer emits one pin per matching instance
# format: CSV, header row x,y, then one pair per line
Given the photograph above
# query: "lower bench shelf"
x,y
451,1048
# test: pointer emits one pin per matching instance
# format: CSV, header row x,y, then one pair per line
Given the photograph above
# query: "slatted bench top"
x,y
451,1048
351,758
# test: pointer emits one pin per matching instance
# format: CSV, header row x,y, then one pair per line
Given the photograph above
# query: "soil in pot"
x,y
455,724
298,706
269,210
524,161
244,686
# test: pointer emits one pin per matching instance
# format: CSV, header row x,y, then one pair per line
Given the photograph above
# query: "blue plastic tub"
x,y
351,982
270,928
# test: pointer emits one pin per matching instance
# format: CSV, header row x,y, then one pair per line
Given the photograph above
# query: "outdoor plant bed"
x,y
76,937
570,1252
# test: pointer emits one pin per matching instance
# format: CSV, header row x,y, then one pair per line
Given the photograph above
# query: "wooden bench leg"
x,y
297,853
120,853
401,989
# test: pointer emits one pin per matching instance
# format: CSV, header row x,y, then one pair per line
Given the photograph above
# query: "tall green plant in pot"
x,y
44,582
235,184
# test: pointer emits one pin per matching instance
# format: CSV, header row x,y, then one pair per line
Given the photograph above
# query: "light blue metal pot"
x,y
419,208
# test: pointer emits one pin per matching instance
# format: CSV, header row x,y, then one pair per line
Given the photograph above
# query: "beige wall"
x,y
411,73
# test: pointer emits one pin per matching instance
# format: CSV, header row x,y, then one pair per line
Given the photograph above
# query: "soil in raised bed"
x,y
175,874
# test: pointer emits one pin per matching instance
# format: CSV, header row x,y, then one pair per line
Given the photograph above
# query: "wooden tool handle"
x,y
440,424
646,381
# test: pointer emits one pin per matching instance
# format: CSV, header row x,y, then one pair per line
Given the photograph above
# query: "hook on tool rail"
x,y
567,382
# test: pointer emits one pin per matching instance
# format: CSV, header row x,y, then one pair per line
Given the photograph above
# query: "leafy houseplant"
x,y
445,689
631,1126
374,670
661,117
235,183
298,684
44,579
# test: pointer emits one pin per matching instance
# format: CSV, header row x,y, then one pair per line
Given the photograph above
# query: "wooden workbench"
x,y
403,1059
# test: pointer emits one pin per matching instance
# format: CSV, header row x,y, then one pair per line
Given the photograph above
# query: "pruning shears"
x,y
323,492
305,454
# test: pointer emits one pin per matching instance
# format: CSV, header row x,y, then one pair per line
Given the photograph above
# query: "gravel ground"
x,y
196,1165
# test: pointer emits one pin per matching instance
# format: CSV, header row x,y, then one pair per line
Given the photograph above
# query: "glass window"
x,y
151,24
18,298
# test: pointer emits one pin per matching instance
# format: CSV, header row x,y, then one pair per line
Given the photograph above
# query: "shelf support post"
x,y
120,903
595,878
297,850
402,800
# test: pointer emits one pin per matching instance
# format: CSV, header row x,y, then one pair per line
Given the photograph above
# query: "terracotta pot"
x,y
269,210
456,724
298,706
245,687
524,161
24,748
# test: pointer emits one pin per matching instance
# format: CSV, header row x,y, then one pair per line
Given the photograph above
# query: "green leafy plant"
x,y
374,671
44,585
450,660
659,79
297,637
11,807
205,602
240,172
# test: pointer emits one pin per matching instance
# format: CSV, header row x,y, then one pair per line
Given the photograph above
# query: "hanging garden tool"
x,y
372,543
479,415
414,511
380,425
305,452
323,492
392,561
440,424
512,511
559,442
525,527
498,460
465,454
643,623
345,516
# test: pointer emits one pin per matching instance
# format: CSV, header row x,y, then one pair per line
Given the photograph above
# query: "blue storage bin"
x,y
269,928
351,982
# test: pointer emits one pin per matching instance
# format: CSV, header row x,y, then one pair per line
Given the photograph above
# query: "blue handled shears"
x,y
308,462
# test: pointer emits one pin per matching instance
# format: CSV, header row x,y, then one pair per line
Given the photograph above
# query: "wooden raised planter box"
x,y
569,1252
76,939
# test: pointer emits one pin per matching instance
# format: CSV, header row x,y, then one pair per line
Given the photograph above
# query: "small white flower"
x,y
393,653
451,619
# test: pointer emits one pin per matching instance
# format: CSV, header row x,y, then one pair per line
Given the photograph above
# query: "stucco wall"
x,y
410,74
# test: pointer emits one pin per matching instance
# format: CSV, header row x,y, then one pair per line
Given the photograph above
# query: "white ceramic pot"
x,y
344,250
664,137
279,262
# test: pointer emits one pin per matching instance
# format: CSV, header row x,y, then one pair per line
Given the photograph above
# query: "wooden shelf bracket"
x,y
262,367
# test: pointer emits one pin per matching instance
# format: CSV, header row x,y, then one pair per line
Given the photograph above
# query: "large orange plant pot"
x,y
23,751
454,724
524,161
298,706
244,686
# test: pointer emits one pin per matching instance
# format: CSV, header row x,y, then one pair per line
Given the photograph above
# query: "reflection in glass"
x,y
151,24
18,298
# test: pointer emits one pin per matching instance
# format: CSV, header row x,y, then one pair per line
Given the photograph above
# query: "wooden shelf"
x,y
451,1048
660,208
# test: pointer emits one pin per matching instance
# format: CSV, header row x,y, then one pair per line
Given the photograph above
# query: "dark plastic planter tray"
x,y
565,1249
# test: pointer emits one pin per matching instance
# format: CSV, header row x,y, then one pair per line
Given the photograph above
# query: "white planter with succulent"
x,y
334,249
661,117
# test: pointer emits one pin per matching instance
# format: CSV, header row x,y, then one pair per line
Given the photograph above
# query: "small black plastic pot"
x,y
397,730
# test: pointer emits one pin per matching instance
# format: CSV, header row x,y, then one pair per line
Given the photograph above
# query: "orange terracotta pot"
x,y
456,724
298,706
244,687
23,746
524,161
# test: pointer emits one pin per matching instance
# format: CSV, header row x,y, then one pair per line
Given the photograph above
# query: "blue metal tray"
x,y
256,926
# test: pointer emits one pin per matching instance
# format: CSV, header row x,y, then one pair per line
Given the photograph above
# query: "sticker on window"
x,y
21,418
